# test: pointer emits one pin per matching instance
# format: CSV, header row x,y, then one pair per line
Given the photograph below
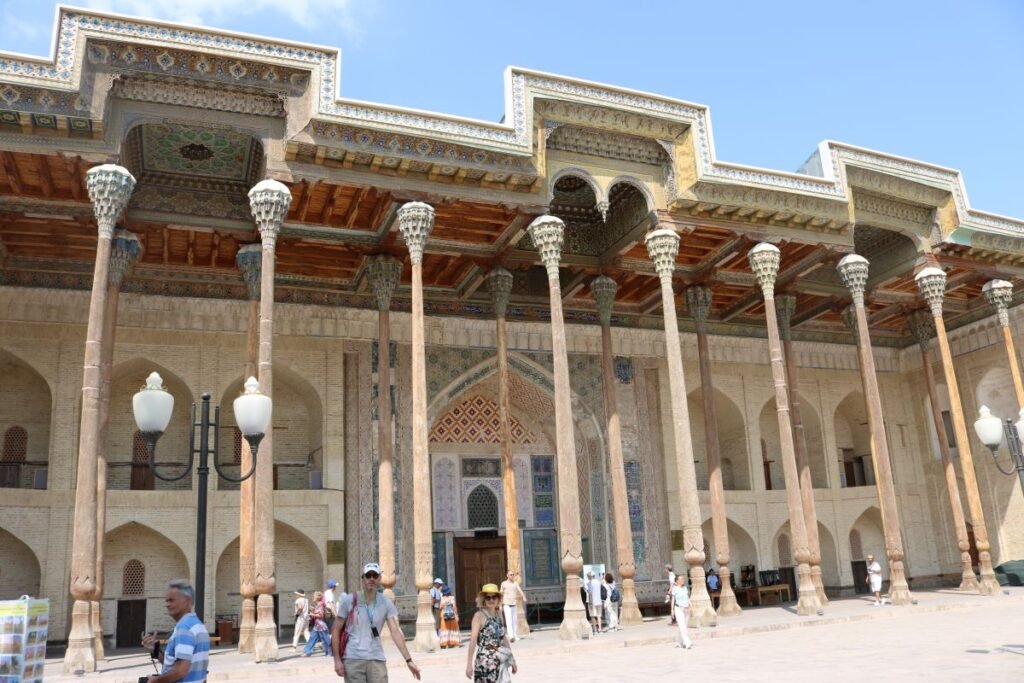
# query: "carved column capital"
x,y
764,261
269,201
547,232
922,326
853,270
998,294
785,307
415,221
249,260
124,252
604,289
663,248
384,272
698,302
499,284
932,283
110,186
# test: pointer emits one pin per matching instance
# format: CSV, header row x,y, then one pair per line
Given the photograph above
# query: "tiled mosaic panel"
x,y
476,420
543,488
540,554
634,498
446,496
445,364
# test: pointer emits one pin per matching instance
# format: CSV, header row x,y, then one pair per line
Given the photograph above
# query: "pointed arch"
x,y
868,526
21,573
582,174
482,508
637,184
742,548
853,441
732,441
26,414
134,542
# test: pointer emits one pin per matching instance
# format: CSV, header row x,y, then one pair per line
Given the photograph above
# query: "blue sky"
x,y
940,81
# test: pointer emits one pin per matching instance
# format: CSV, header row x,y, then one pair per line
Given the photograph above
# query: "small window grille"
x,y
482,508
133,581
237,447
139,454
785,554
15,445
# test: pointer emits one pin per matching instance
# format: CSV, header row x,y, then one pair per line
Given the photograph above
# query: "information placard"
x,y
23,627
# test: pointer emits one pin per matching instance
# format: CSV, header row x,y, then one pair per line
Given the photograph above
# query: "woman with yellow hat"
x,y
488,641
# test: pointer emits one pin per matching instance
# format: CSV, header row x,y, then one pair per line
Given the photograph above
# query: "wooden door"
x,y
860,576
477,561
131,622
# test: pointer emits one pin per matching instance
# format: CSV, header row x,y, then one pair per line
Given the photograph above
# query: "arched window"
x,y
482,508
142,476
133,578
856,546
785,554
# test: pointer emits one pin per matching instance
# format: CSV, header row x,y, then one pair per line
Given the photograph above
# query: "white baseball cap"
x,y
371,567
440,581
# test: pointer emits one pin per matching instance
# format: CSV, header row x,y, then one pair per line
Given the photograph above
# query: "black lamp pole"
x,y
1016,452
204,425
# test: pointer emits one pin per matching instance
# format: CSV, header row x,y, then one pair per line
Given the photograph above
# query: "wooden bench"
x,y
776,590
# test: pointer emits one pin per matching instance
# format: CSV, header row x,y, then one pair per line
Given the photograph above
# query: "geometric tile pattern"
x,y
476,420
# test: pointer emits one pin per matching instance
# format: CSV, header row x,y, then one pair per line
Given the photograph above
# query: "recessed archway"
x,y
769,424
853,441
742,548
26,407
870,531
20,572
732,441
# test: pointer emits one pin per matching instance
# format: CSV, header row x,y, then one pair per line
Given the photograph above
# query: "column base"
x,y
702,612
265,640
426,631
989,585
899,590
575,625
807,604
80,657
97,631
727,605
247,629
630,615
819,587
968,581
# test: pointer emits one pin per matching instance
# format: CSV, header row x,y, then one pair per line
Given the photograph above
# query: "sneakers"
x,y
877,603
885,601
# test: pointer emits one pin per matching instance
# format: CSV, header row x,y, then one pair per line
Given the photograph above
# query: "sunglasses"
x,y
491,597
371,575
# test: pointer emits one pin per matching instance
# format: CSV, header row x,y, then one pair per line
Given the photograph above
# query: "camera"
x,y
375,632
143,679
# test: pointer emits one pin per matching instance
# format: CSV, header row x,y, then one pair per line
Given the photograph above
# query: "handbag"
x,y
343,636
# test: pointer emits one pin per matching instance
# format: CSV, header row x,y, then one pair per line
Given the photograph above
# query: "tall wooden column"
x,y
764,261
785,307
499,282
269,201
932,283
384,272
109,188
853,269
698,301
999,294
124,252
603,289
922,327
663,248
249,260
415,221
547,233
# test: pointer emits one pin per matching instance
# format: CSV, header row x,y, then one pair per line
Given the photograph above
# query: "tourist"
x,y
714,583
301,619
318,623
611,605
332,605
874,580
449,620
363,660
596,602
435,602
681,610
187,654
668,594
490,656
510,595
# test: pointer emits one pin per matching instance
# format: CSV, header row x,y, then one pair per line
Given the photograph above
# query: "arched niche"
x,y
126,379
853,442
298,430
813,440
26,407
868,527
732,441
742,548
20,572
301,569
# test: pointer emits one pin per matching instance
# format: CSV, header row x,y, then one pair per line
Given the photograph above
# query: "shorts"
x,y
366,671
876,585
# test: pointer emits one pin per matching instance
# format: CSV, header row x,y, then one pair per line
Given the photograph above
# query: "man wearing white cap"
x,y
435,602
330,604
362,615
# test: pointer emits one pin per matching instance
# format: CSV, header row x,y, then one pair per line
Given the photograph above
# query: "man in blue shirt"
x,y
187,654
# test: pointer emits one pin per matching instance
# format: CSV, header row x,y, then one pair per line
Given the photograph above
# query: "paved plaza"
x,y
945,637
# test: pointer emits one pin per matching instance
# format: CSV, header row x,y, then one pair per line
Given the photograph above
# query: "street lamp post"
x,y
153,406
992,431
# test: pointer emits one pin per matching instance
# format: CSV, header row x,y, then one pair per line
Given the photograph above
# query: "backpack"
x,y
616,595
604,592
449,611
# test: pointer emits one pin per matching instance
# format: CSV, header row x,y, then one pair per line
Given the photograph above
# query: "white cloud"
x,y
311,15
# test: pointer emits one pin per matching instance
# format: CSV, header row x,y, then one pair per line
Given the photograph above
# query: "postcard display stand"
x,y
23,625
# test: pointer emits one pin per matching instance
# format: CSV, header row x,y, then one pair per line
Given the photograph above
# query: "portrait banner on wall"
x,y
23,628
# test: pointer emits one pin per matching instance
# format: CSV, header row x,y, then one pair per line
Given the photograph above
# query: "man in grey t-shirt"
x,y
364,660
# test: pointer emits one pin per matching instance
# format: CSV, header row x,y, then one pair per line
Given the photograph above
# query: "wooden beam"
x,y
804,265
332,200
813,312
45,179
710,262
574,285
71,165
11,170
629,240
307,196
353,207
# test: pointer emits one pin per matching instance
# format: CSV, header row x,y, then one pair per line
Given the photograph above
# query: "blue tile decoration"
x,y
634,498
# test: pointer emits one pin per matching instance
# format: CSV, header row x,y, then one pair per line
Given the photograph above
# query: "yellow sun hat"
x,y
490,588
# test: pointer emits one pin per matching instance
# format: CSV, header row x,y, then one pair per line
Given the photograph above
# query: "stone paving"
x,y
944,637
